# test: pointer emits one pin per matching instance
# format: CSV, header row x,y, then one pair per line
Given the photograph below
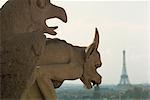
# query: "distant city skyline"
x,y
123,25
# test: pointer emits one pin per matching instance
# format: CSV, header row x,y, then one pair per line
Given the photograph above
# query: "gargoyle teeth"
x,y
93,82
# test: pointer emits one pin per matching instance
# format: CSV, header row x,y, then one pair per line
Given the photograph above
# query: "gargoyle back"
x,y
56,52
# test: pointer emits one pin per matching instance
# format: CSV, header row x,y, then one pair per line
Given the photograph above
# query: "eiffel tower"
x,y
124,76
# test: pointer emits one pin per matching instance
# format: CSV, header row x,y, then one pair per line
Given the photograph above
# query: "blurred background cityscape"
x,y
104,92
124,90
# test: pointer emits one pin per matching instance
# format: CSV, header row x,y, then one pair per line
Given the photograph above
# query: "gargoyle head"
x,y
26,16
92,62
43,10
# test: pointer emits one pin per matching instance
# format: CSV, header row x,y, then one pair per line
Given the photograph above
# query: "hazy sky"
x,y
121,24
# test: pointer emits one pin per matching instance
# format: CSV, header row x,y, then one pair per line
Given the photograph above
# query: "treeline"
x,y
99,93
136,92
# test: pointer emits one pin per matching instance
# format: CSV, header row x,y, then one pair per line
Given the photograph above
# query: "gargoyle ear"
x,y
96,39
89,50
94,45
41,3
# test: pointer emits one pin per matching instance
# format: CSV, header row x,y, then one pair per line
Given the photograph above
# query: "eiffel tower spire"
x,y
124,71
124,76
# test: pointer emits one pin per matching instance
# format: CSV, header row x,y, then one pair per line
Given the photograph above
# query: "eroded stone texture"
x,y
68,63
22,25
19,56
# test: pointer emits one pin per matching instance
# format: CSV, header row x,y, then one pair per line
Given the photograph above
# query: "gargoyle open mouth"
x,y
50,30
94,83
59,14
90,84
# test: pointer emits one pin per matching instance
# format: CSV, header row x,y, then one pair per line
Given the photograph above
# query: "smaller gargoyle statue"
x,y
62,61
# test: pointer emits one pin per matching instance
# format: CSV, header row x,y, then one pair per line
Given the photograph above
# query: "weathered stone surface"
x,y
22,25
71,62
68,63
19,56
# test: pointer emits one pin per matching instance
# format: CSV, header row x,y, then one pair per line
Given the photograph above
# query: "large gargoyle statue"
x,y
62,61
22,27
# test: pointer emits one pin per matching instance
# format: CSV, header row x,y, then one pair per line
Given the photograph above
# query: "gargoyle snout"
x,y
62,14
56,12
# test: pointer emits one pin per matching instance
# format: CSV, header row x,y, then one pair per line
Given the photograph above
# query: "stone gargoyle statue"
x,y
22,27
62,61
